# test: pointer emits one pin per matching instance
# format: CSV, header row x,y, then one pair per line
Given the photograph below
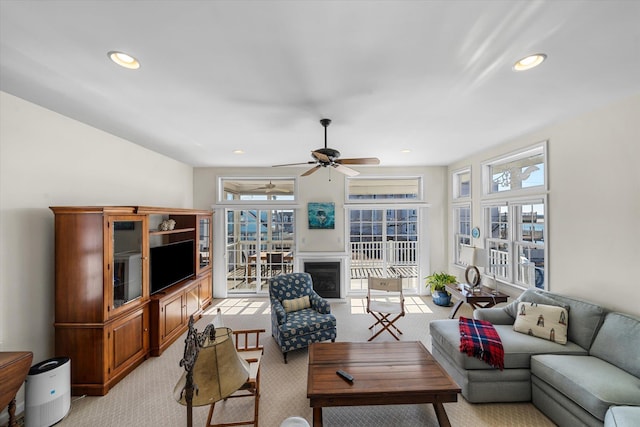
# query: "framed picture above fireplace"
x,y
321,215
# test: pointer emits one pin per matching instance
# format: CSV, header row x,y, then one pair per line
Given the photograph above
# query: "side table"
x,y
484,298
14,367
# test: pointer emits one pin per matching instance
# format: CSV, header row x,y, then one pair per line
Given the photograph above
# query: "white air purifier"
x,y
48,392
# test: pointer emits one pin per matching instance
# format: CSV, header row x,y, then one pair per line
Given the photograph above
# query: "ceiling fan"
x,y
271,188
323,157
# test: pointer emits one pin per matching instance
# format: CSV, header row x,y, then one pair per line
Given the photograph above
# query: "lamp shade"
x,y
467,255
217,373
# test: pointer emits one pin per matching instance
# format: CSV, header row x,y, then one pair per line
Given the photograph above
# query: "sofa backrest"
x,y
585,318
618,342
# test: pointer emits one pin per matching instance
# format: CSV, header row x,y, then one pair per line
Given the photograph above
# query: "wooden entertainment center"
x,y
106,318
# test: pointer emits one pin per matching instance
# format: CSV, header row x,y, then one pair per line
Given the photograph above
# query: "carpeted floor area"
x,y
145,397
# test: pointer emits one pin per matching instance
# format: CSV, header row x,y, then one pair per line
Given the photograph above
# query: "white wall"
x,y
50,160
329,186
593,203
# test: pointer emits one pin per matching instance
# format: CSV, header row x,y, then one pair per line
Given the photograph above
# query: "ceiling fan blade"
x,y
345,170
321,157
312,170
294,164
360,161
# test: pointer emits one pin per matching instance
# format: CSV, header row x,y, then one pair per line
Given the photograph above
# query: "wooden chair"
x,y
385,299
275,263
247,342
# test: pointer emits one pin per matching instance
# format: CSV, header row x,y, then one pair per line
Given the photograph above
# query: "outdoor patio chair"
x,y
385,302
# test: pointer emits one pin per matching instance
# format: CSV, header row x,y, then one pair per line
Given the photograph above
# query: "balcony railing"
x,y
384,259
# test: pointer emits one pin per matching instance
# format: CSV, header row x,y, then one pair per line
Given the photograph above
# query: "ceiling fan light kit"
x,y
326,156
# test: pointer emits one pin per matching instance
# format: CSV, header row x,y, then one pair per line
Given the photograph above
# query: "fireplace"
x,y
326,278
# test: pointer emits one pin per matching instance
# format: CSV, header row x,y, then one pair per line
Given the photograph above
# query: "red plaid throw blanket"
x,y
480,339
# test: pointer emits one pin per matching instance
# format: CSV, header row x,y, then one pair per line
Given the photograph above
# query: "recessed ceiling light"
x,y
238,151
405,150
528,62
124,60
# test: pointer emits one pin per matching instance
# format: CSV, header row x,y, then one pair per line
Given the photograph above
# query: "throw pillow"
x,y
543,321
296,304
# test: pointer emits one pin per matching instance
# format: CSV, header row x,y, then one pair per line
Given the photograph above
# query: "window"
x,y
462,228
392,189
516,242
516,235
462,184
257,190
520,171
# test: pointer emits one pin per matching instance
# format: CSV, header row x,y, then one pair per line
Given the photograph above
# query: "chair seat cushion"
x,y
306,321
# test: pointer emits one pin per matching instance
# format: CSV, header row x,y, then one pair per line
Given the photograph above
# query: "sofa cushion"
x,y
590,382
622,416
518,347
548,322
618,342
296,304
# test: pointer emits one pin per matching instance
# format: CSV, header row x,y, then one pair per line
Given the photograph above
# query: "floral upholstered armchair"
x,y
299,316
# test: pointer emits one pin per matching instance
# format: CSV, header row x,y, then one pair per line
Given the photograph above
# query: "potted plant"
x,y
436,283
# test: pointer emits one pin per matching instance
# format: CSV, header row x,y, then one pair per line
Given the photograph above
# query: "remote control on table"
x,y
345,375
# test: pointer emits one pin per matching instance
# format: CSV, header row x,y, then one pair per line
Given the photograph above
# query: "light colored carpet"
x,y
145,397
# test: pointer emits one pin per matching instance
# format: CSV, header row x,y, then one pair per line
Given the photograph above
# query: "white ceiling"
x,y
430,76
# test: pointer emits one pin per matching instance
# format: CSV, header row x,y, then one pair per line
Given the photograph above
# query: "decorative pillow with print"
x,y
296,304
549,322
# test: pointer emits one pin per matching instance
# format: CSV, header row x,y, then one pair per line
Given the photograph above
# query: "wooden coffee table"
x,y
484,297
385,373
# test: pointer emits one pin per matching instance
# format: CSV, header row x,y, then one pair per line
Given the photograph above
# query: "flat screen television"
x,y
171,263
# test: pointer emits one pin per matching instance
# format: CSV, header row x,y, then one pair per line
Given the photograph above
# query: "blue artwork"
x,y
322,216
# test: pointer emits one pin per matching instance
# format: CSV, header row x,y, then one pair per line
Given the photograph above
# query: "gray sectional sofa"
x,y
573,384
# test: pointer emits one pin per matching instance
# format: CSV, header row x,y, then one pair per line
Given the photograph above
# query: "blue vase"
x,y
442,298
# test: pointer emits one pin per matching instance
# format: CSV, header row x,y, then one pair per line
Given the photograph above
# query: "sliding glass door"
x,y
260,245
383,242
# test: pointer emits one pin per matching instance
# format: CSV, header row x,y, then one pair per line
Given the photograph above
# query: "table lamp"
x,y
213,369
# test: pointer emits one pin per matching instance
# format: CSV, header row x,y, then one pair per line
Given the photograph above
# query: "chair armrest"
x,y
319,304
278,309
497,316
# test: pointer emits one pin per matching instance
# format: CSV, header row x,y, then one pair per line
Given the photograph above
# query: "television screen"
x,y
170,264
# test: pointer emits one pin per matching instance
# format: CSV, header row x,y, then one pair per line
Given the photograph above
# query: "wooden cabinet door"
x,y
172,315
206,291
203,243
126,263
128,341
192,296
